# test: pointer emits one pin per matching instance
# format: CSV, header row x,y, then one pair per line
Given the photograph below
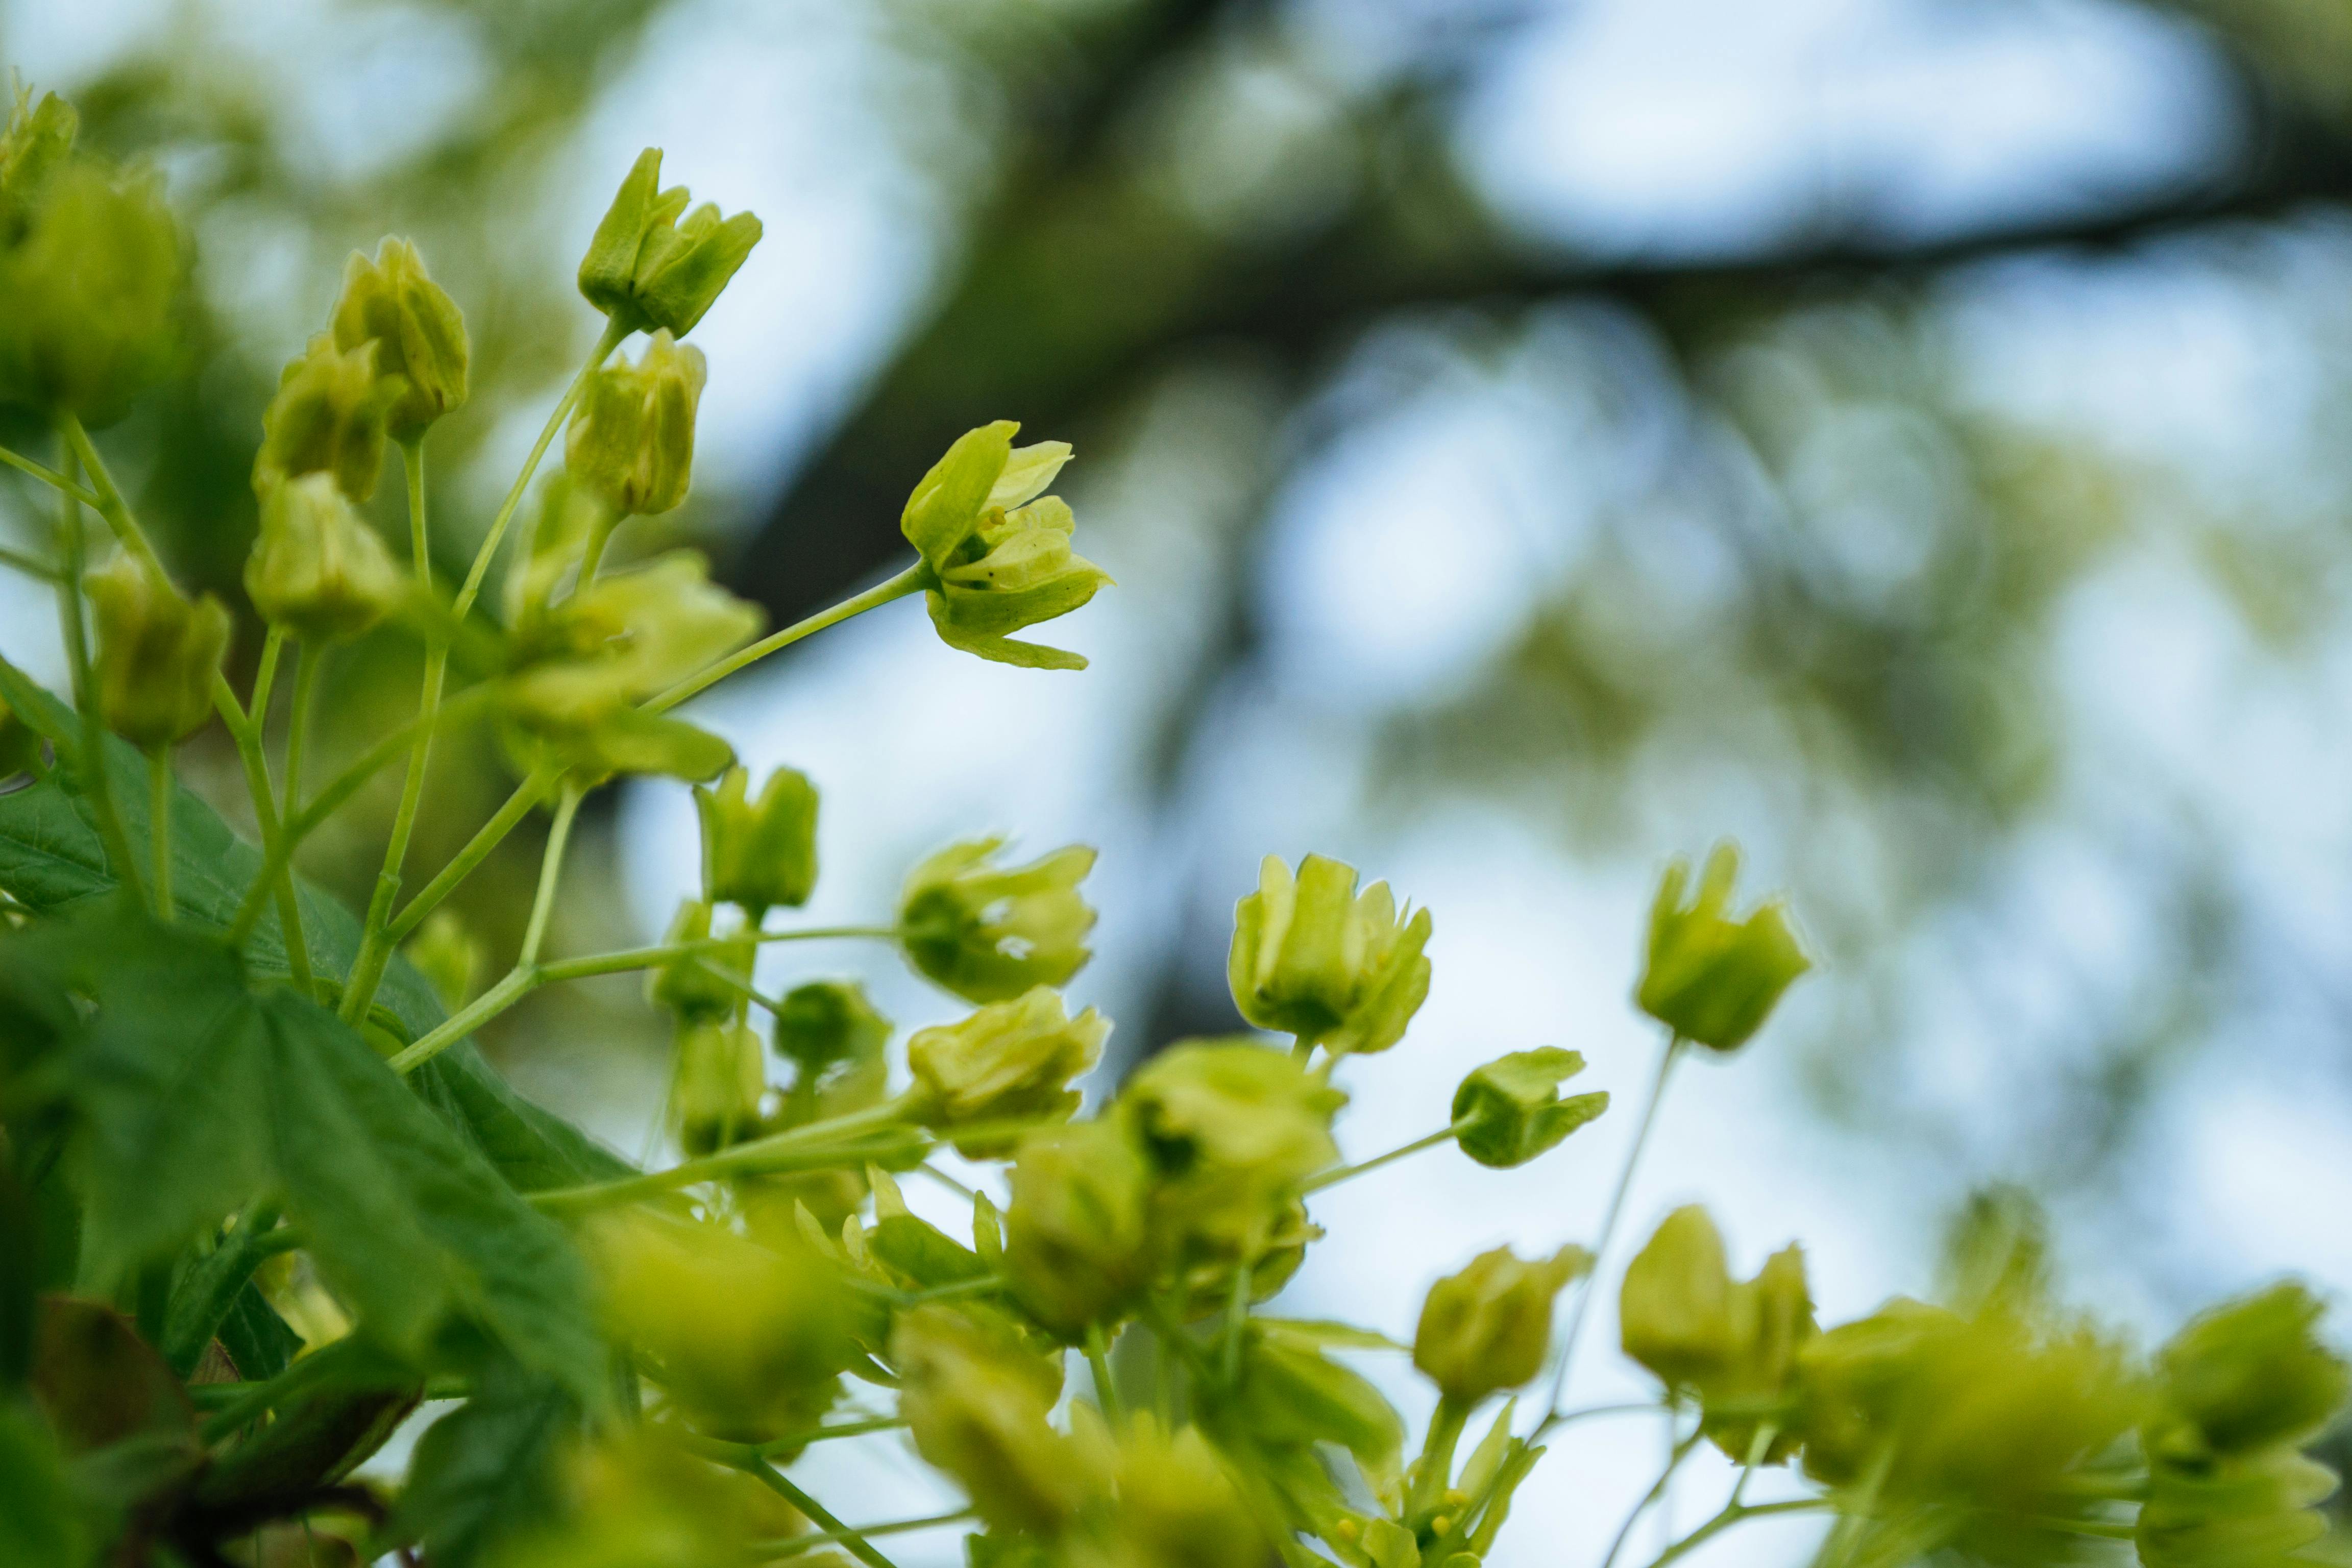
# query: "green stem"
x,y
818,1514
331,799
41,571
94,781
466,1019
606,344
1106,1391
158,827
376,940
247,731
50,477
796,1545
793,1442
1657,1489
298,727
1733,1513
905,583
1431,1476
550,872
1347,1173
493,833
108,499
1616,1210
1229,1355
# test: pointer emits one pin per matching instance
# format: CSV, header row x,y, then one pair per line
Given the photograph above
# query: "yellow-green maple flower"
x,y
1710,978
996,549
989,933
326,418
158,652
316,569
1486,1328
652,263
631,441
759,853
418,330
1312,957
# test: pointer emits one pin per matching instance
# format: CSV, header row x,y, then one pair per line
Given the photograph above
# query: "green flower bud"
x,y
1486,1329
833,1039
987,934
763,853
996,549
1674,1312
2252,1373
91,268
1312,958
1732,1342
632,435
1078,1243
1009,1061
1512,1108
157,653
749,1335
316,569
418,330
705,985
1179,1507
976,1404
1985,1417
567,514
36,143
448,956
327,417
2232,1512
1710,978
717,1085
1232,1130
626,636
646,269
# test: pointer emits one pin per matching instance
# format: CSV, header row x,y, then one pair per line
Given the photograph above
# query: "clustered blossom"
x,y
641,1355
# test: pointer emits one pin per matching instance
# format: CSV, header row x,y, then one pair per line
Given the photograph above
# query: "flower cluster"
x,y
224,1141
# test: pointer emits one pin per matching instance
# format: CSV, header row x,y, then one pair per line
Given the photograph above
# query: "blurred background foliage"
x,y
1911,434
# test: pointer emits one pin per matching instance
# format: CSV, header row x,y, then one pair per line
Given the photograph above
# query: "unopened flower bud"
x,y
1734,1343
1674,1307
996,549
749,1334
157,653
36,143
1513,1110
758,854
632,434
1232,1130
718,1084
316,568
976,1404
2253,1373
833,1038
708,981
1078,1246
645,268
1009,1061
1180,1508
1486,1328
1710,978
93,271
448,956
987,934
418,330
626,636
1312,957
327,417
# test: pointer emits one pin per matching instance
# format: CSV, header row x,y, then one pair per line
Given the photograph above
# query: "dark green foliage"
x,y
485,1471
